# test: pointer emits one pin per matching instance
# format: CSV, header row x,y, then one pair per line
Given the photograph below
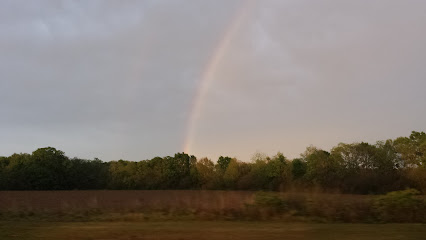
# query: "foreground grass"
x,y
207,230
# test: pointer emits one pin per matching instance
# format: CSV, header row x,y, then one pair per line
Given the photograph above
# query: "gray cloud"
x,y
115,79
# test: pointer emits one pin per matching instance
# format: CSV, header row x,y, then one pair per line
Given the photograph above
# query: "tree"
x,y
232,174
353,168
268,173
321,168
123,175
48,169
367,168
88,174
15,172
223,162
298,168
207,174
412,149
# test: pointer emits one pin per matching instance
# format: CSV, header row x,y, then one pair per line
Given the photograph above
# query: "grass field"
x,y
162,205
207,230
75,215
122,200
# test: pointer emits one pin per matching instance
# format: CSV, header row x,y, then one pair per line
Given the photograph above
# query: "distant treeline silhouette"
x,y
358,168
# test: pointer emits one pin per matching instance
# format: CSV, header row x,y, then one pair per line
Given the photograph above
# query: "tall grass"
x,y
402,206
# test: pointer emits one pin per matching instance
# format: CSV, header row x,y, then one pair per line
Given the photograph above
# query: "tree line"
x,y
358,168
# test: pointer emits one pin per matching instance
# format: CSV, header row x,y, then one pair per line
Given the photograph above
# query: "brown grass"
x,y
122,200
183,204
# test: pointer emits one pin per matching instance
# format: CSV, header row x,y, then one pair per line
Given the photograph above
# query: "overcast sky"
x,y
116,79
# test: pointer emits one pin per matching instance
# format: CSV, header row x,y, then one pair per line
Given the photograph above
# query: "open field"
x,y
165,214
131,200
208,230
166,205
122,200
160,205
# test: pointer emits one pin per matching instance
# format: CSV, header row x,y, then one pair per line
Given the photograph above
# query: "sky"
x,y
138,79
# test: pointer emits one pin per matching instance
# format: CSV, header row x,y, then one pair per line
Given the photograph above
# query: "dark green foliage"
x,y
322,168
223,162
266,205
269,200
359,168
400,206
87,174
368,168
412,149
298,168
49,169
266,173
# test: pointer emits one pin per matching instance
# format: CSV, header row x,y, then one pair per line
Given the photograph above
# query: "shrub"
x,y
269,200
266,205
400,206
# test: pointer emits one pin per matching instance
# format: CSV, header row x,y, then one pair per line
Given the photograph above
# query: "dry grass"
x,y
162,205
122,200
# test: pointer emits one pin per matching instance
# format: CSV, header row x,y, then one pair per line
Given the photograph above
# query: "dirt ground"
x,y
207,230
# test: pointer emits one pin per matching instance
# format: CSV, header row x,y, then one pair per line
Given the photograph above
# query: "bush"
x,y
400,206
266,205
269,200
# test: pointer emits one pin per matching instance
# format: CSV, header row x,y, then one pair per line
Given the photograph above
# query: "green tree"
x,y
223,162
298,168
232,174
368,168
15,172
123,175
207,174
48,169
88,174
321,168
412,149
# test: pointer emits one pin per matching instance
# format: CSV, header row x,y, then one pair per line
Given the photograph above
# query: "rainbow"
x,y
207,75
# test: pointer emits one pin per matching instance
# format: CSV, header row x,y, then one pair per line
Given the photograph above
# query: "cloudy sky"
x,y
118,79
